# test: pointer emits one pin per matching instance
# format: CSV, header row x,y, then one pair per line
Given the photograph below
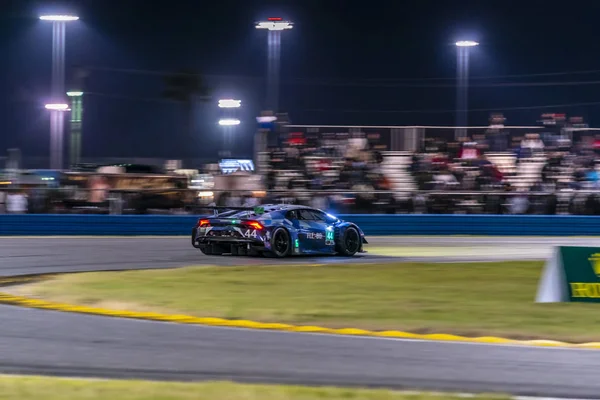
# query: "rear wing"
x,y
259,210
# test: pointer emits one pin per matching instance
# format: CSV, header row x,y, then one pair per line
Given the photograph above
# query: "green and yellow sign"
x,y
571,274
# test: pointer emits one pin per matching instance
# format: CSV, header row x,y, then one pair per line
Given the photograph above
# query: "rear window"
x,y
241,214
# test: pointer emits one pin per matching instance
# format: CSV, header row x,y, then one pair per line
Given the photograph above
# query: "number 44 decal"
x,y
250,233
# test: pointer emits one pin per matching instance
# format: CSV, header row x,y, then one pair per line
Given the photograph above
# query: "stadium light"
x,y
229,122
57,107
59,18
274,24
267,119
230,103
466,43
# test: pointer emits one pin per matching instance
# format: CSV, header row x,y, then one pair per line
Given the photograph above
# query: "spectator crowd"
x,y
497,170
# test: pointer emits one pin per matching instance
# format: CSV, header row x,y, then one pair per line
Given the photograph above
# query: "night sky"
x,y
344,63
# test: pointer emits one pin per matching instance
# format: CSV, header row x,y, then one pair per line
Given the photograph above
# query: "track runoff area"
x,y
399,290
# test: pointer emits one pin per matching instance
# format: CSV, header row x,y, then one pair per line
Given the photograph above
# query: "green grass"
x,y
34,388
466,299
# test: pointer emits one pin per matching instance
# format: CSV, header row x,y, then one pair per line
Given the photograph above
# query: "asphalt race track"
x,y
42,255
54,343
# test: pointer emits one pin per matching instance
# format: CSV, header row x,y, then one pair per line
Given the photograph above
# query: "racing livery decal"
x,y
278,230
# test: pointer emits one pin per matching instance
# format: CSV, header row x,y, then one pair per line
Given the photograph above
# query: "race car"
x,y
276,231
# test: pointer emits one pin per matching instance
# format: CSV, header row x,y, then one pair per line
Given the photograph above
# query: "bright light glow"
x,y
229,122
57,107
274,25
205,194
266,119
74,94
230,103
466,43
59,18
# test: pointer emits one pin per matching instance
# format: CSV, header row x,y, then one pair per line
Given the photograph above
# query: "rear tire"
x,y
281,244
349,242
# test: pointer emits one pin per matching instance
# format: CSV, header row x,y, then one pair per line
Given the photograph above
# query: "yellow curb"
x,y
188,319
13,280
28,302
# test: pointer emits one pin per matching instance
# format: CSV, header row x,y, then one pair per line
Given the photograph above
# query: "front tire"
x,y
281,244
349,242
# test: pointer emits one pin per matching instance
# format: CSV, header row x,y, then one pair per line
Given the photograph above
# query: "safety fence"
x,y
410,224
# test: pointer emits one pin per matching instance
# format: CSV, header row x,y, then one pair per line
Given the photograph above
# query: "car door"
x,y
301,228
315,231
325,225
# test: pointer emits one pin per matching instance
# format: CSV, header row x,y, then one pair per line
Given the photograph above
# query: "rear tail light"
x,y
255,225
203,222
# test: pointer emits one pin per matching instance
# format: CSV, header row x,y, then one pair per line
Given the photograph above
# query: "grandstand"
x,y
395,167
520,170
521,175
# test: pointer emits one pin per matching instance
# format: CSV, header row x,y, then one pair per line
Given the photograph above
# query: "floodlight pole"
x,y
58,86
57,120
274,26
229,119
462,88
274,44
76,125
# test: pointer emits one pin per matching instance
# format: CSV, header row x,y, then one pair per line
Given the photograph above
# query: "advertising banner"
x,y
572,274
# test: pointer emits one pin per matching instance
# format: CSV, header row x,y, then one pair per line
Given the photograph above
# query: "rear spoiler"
x,y
257,210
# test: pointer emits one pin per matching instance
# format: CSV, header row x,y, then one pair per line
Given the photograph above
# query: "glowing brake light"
x,y
203,222
255,225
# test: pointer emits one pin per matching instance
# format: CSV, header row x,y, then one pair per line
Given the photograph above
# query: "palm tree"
x,y
188,88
